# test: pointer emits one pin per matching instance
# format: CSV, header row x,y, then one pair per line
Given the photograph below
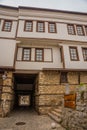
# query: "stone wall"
x,y
73,78
76,119
50,91
83,77
7,96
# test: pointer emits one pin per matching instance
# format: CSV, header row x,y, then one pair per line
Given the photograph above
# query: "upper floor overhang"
x,y
47,42
65,69
38,41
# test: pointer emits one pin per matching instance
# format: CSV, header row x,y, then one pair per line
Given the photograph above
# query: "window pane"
x,y
64,77
52,27
84,50
26,54
71,29
73,53
40,26
39,54
79,30
86,29
7,25
28,26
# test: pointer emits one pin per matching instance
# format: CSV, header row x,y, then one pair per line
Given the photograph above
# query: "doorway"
x,y
24,91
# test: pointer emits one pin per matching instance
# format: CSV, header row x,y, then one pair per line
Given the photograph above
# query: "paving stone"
x,y
30,117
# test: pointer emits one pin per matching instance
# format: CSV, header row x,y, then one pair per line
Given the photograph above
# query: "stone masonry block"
x,y
49,77
44,110
9,74
83,77
7,82
51,89
50,100
7,89
73,77
6,96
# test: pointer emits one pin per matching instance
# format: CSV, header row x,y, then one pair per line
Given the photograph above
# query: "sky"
x,y
70,5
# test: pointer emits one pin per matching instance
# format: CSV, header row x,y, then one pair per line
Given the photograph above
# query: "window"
x,y
52,27
28,26
40,27
71,29
73,53
39,55
79,29
84,50
86,29
26,54
7,25
63,77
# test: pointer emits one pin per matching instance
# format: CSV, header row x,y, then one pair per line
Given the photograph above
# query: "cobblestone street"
x,y
32,121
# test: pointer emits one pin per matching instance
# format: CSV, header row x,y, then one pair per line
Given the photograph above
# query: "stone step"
x,y
54,117
56,113
58,110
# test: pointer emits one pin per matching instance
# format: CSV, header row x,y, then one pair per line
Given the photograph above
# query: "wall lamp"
x,y
4,76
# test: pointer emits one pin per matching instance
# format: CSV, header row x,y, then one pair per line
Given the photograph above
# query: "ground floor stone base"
x,y
48,89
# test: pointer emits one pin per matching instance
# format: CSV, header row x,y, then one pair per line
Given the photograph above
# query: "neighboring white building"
x,y
43,48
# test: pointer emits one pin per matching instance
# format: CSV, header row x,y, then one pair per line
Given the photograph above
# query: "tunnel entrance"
x,y
24,90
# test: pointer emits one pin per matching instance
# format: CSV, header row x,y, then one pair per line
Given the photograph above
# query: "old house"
x,y
41,51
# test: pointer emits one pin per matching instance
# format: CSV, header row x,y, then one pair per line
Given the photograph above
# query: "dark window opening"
x,y
63,78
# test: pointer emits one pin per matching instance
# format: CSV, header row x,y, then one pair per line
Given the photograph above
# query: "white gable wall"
x,y
80,64
61,34
7,52
51,60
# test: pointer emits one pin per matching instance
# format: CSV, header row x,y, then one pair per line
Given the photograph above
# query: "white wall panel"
x,y
32,54
48,54
80,64
7,52
61,34
19,54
